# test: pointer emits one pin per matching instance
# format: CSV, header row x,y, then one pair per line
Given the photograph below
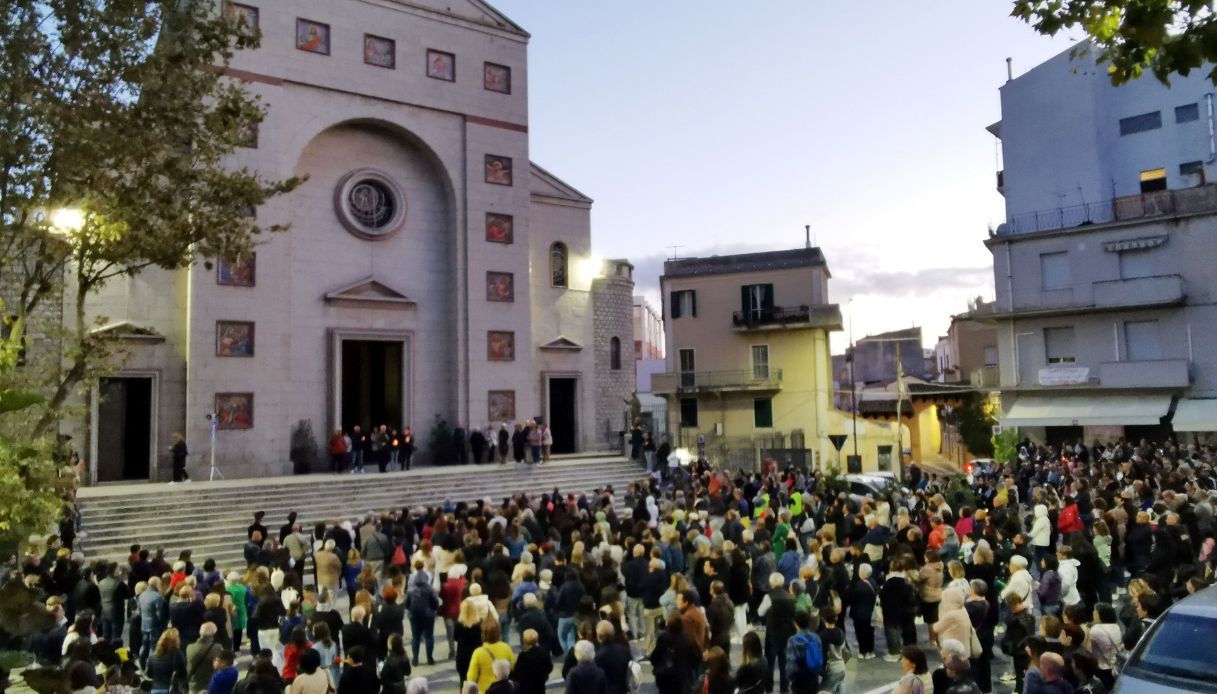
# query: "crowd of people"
x,y
723,581
390,449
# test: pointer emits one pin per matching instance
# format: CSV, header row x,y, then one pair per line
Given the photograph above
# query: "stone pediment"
x,y
126,330
545,185
474,11
562,343
369,293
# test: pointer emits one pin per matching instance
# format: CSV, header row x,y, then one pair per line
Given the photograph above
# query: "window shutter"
x,y
693,303
745,299
767,298
675,304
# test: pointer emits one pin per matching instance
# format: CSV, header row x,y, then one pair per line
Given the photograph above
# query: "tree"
x,y
975,421
119,113
1164,36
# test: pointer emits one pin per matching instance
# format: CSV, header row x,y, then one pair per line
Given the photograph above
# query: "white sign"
x,y
1064,375
997,430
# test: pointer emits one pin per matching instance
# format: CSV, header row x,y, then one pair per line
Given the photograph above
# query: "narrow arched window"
x,y
615,354
558,265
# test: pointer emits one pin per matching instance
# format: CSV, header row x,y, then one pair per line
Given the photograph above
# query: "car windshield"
x,y
1173,648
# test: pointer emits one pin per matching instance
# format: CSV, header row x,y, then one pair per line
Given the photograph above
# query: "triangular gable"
x,y
475,11
126,330
369,292
562,343
546,185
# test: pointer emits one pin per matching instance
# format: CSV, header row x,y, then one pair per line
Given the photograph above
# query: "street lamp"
x,y
66,221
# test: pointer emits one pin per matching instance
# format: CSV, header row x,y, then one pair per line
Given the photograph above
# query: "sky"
x,y
726,127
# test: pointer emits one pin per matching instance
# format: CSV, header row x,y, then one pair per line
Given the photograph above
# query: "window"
x,y
1153,180
1054,271
1187,113
688,412
688,379
684,303
558,265
755,299
990,355
1134,264
1058,345
1141,340
1141,123
615,354
1195,169
760,361
762,413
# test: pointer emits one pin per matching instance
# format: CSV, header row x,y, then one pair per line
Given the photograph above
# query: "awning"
x,y
1193,414
1086,410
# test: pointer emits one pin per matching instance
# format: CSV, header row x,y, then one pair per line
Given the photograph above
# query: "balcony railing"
x,y
1158,373
692,381
1144,206
1137,291
818,316
985,377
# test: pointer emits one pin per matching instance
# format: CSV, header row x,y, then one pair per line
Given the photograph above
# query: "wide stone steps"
x,y
210,518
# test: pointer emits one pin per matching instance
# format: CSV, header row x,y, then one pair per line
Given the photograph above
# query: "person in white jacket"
x,y
1041,533
1020,583
1068,570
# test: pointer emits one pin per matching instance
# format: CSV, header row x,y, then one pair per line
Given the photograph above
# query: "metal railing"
x,y
773,315
1143,206
744,379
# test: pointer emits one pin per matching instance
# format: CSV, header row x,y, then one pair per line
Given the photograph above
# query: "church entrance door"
x,y
371,384
124,429
563,405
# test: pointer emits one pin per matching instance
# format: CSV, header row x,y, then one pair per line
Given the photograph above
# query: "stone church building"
x,y
431,269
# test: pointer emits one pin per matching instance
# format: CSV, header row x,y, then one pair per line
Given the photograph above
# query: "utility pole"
x,y
899,461
853,388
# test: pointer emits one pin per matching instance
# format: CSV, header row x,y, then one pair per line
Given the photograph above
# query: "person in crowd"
x,y
311,676
167,664
481,664
358,673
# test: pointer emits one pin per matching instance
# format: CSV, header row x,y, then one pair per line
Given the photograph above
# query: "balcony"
x,y
1161,373
1164,203
827,316
746,380
1141,291
985,377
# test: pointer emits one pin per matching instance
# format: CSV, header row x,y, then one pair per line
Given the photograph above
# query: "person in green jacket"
x,y
780,534
240,611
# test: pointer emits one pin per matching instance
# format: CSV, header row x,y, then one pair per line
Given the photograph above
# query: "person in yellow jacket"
x,y
481,666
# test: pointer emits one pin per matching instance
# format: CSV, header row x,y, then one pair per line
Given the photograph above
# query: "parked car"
x,y
1172,655
873,484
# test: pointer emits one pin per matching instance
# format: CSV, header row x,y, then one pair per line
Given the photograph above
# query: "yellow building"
x,y
749,365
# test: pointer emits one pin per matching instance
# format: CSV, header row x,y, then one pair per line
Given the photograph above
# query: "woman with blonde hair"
x,y
468,635
167,666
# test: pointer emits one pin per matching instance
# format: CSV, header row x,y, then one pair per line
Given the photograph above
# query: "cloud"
x,y
856,281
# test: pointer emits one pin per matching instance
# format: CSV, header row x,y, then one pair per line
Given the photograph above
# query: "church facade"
x,y
430,269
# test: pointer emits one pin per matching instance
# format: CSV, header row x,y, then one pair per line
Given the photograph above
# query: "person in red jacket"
x,y
450,595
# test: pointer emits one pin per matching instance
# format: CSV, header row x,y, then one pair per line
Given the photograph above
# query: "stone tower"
x,y
613,331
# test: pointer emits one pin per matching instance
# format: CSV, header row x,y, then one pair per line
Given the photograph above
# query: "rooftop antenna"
x,y
1009,69
807,231
674,248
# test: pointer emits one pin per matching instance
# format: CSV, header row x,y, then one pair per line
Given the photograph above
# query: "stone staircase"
x,y
210,518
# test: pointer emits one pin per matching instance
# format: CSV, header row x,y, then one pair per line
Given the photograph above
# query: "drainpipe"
x,y
1208,102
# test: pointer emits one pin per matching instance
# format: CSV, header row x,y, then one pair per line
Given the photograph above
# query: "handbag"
x,y
975,649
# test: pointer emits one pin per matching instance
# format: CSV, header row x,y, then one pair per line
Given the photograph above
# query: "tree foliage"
x,y
118,109
975,421
1165,37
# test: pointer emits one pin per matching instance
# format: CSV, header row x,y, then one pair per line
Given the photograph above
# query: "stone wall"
x,y
613,316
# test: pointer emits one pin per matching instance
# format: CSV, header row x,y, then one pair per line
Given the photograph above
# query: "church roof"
x,y
126,330
475,11
546,185
562,342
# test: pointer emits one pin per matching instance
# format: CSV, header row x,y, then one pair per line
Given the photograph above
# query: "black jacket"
x,y
586,678
779,620
532,670
613,658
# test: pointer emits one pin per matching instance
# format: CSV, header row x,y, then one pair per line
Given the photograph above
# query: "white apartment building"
x,y
1103,270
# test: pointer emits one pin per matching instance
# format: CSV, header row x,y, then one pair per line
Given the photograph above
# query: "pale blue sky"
x,y
725,127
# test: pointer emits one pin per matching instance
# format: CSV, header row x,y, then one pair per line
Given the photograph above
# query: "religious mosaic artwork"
x,y
242,273
313,37
379,51
501,406
500,345
497,78
499,227
243,13
498,170
441,65
234,410
500,286
234,338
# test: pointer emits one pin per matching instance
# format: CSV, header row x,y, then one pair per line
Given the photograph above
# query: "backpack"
x,y
399,556
813,653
